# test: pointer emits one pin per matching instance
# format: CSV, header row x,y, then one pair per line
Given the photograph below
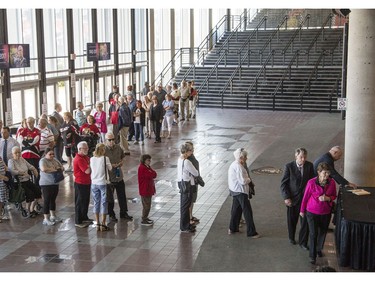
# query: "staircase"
x,y
277,68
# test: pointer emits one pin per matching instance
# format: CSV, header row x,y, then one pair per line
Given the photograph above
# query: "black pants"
x,y
119,187
293,216
49,197
185,203
131,131
241,204
157,128
318,226
82,201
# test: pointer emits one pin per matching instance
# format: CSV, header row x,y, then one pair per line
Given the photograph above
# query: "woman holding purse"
x,y
185,178
99,164
51,173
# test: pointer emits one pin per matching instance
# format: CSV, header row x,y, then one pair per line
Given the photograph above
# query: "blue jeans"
x,y
99,196
138,131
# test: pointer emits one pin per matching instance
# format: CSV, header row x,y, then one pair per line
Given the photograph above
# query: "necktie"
x,y
5,158
300,168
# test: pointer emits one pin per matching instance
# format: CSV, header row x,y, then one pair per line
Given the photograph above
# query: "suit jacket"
x,y
327,158
293,183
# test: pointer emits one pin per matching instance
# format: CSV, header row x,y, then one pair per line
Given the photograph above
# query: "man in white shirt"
x,y
238,182
6,145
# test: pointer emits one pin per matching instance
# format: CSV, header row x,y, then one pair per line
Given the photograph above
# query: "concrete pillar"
x,y
359,165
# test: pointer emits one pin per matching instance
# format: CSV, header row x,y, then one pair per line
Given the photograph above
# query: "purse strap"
x,y
105,168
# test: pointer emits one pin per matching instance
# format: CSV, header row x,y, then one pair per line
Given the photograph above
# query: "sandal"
x,y
104,228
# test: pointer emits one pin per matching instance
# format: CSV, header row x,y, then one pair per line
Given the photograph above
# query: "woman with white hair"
x,y
238,182
185,178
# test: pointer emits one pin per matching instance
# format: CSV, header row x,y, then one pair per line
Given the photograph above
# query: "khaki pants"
x,y
124,139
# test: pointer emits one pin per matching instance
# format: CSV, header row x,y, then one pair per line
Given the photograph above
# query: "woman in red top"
x,y
146,176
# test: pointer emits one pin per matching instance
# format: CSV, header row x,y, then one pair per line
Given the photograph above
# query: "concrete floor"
x,y
269,137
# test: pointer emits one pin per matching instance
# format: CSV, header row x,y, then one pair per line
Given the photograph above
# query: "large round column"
x,y
359,151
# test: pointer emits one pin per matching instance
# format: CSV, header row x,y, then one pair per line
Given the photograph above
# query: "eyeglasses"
x,y
110,139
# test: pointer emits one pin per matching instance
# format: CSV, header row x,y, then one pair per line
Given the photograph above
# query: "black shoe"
x,y
304,247
313,261
292,241
113,218
127,217
63,162
320,254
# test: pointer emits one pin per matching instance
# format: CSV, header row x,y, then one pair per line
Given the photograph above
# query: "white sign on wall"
x,y
342,103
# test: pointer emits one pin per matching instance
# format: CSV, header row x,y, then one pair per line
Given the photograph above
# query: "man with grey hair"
x,y
124,121
330,157
82,185
116,155
238,182
293,183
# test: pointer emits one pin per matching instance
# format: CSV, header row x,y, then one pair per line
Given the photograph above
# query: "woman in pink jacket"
x,y
146,176
317,205
101,120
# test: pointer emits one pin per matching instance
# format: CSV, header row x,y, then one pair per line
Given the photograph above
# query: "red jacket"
x,y
146,183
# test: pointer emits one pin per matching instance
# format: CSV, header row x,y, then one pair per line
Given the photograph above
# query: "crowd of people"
x,y
95,155
33,158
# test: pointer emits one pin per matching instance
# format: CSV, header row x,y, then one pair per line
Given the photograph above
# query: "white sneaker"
x,y
135,142
142,142
48,222
55,219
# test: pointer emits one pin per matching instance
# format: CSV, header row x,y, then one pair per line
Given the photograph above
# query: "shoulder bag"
x,y
109,185
184,186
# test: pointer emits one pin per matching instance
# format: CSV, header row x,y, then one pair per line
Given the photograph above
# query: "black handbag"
x,y
17,194
199,180
58,176
184,186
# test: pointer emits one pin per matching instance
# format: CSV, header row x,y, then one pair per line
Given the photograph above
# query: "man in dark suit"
x,y
296,175
330,157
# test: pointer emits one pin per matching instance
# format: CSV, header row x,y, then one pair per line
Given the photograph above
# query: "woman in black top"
x,y
156,117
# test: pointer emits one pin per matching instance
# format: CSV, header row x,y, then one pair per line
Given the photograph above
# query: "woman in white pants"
x,y
168,105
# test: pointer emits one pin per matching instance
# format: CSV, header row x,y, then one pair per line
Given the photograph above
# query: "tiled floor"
x,y
27,246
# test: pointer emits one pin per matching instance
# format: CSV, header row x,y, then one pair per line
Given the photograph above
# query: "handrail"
x,y
255,82
285,19
210,35
335,88
288,69
244,57
307,18
206,80
244,47
329,18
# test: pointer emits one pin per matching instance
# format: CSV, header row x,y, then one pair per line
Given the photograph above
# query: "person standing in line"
x,y
147,103
82,185
47,139
70,134
116,155
160,93
6,145
124,121
132,106
100,165
238,182
113,113
4,193
184,100
293,183
139,122
156,117
145,89
176,99
192,99
115,90
168,106
59,148
185,179
101,121
317,207
80,114
194,161
146,185
50,189
333,155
